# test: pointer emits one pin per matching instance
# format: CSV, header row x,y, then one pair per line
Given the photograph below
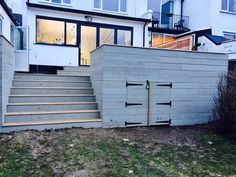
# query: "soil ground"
x,y
129,152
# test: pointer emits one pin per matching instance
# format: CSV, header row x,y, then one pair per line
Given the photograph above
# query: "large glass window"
x,y
111,5
71,33
107,36
50,32
124,37
159,38
228,5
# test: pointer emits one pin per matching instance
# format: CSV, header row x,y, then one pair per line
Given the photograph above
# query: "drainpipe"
x,y
182,6
144,29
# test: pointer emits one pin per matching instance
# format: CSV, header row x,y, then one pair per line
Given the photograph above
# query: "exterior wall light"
x,y
88,18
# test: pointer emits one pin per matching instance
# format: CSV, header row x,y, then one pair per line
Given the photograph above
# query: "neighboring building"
x,y
7,22
211,23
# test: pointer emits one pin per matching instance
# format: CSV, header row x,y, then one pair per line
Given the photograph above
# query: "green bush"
x,y
223,119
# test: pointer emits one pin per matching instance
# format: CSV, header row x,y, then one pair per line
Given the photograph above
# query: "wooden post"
x,y
149,102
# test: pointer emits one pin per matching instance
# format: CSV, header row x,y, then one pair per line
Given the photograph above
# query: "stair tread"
x,y
50,112
68,121
67,81
54,95
56,88
50,103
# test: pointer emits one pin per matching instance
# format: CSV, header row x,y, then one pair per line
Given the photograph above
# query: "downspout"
x,y
181,9
144,29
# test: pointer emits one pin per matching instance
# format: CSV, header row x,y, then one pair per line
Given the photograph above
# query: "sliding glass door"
x,y
94,35
88,42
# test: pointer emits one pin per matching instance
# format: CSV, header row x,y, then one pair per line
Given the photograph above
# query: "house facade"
x,y
64,32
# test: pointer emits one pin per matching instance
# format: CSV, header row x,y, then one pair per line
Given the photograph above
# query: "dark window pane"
x,y
106,36
123,5
111,5
230,36
97,4
56,1
124,37
224,4
50,32
66,1
232,5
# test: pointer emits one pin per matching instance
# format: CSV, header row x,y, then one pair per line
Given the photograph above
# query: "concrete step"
x,y
52,98
73,73
76,68
51,90
53,106
28,76
50,83
42,125
50,115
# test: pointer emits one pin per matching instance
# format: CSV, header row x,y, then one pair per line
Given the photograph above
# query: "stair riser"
x,y
26,99
32,77
55,126
51,84
69,68
50,91
70,73
34,108
51,117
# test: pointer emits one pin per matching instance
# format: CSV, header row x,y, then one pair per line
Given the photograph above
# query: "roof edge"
x,y
49,7
9,12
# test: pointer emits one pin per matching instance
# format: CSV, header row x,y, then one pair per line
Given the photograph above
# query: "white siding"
x,y
6,24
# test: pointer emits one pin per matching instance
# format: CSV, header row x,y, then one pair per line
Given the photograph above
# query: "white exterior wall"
x,y
221,21
199,12
58,55
6,24
68,56
206,14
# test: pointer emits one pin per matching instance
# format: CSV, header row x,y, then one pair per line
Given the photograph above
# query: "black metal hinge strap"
x,y
132,104
132,84
165,85
164,122
132,123
168,103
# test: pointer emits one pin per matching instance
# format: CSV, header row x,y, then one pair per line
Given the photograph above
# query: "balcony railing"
x,y
169,21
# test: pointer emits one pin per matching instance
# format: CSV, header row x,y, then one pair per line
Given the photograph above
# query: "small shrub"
x,y
223,120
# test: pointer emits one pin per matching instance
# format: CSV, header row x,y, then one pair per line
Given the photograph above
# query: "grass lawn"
x,y
136,152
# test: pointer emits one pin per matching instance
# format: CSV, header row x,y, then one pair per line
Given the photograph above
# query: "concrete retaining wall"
x,y
7,64
193,76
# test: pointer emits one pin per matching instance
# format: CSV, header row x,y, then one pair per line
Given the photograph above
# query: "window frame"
x,y
228,7
62,2
163,37
79,23
119,7
230,33
65,31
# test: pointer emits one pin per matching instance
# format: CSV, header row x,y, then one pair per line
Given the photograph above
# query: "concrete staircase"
x,y
41,101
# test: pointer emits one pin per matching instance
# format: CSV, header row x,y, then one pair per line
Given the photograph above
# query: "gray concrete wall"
x,y
193,75
7,65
